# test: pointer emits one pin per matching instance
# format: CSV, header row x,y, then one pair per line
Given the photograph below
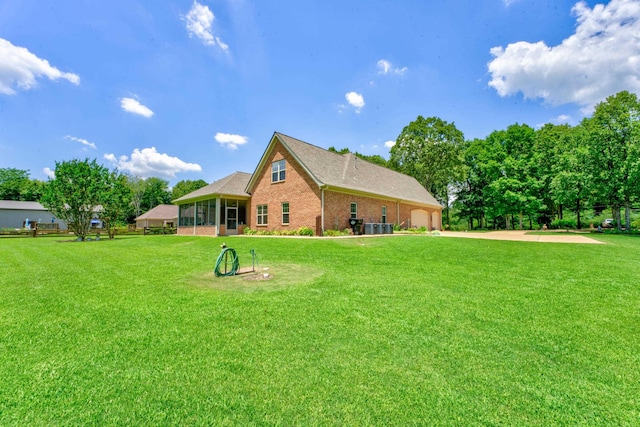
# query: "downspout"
x,y
322,210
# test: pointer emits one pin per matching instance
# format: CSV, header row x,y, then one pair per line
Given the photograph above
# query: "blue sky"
x,y
195,89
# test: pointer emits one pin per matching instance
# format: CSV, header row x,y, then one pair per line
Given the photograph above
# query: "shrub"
x,y
302,231
305,231
560,224
334,233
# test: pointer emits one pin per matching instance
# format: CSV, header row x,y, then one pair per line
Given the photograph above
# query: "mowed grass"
x,y
403,330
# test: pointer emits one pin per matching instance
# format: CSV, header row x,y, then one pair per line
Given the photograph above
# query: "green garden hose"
x,y
228,259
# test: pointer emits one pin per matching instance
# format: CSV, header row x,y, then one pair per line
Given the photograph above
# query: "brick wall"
x,y
298,189
337,210
201,230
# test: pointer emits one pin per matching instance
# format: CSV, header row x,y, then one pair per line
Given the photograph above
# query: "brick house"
x,y
297,184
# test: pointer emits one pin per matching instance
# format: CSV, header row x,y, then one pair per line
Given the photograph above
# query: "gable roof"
x,y
20,205
346,172
230,186
160,212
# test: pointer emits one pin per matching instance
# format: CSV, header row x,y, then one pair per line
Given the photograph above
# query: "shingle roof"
x,y
348,172
160,212
19,205
231,185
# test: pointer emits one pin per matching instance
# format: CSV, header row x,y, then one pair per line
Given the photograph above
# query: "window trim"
x,y
287,213
354,214
384,214
278,171
264,215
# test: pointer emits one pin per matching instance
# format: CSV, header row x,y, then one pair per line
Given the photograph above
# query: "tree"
x,y
376,159
156,192
115,201
552,142
185,187
515,187
12,182
75,193
613,144
32,190
469,198
569,183
430,150
137,186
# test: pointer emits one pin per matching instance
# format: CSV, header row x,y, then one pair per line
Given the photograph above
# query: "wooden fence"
x,y
55,231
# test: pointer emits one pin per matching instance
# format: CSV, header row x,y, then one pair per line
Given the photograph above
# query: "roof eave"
x,y
263,160
380,196
182,201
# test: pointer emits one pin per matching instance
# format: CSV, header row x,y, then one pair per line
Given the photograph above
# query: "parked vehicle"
x,y
607,223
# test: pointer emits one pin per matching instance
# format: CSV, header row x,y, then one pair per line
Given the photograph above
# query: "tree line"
x,y
521,177
84,189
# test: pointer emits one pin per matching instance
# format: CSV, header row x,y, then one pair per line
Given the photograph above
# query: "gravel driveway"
x,y
522,236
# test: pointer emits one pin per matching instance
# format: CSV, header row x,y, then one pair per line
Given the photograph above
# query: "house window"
x,y
262,214
278,171
384,214
285,213
354,210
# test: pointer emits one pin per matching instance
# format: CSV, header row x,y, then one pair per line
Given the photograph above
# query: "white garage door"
x,y
420,218
435,220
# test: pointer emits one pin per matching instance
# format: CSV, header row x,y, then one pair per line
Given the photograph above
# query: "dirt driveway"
x,y
522,236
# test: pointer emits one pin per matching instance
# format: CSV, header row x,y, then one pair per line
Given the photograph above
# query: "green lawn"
x,y
403,330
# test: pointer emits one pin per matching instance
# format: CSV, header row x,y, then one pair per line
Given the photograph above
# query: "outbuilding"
x,y
160,216
15,214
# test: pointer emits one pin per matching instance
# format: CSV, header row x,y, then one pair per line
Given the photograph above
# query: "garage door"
x,y
420,218
435,220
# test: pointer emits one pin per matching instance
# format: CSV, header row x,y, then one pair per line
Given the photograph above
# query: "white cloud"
x,y
600,59
50,173
562,118
385,67
81,141
508,3
231,141
133,106
20,69
199,24
148,162
389,144
355,99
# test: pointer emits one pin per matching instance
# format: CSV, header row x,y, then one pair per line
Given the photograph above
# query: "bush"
x,y
561,224
302,231
335,233
305,231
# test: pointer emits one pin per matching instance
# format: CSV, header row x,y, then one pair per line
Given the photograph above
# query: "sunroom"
x,y
219,209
